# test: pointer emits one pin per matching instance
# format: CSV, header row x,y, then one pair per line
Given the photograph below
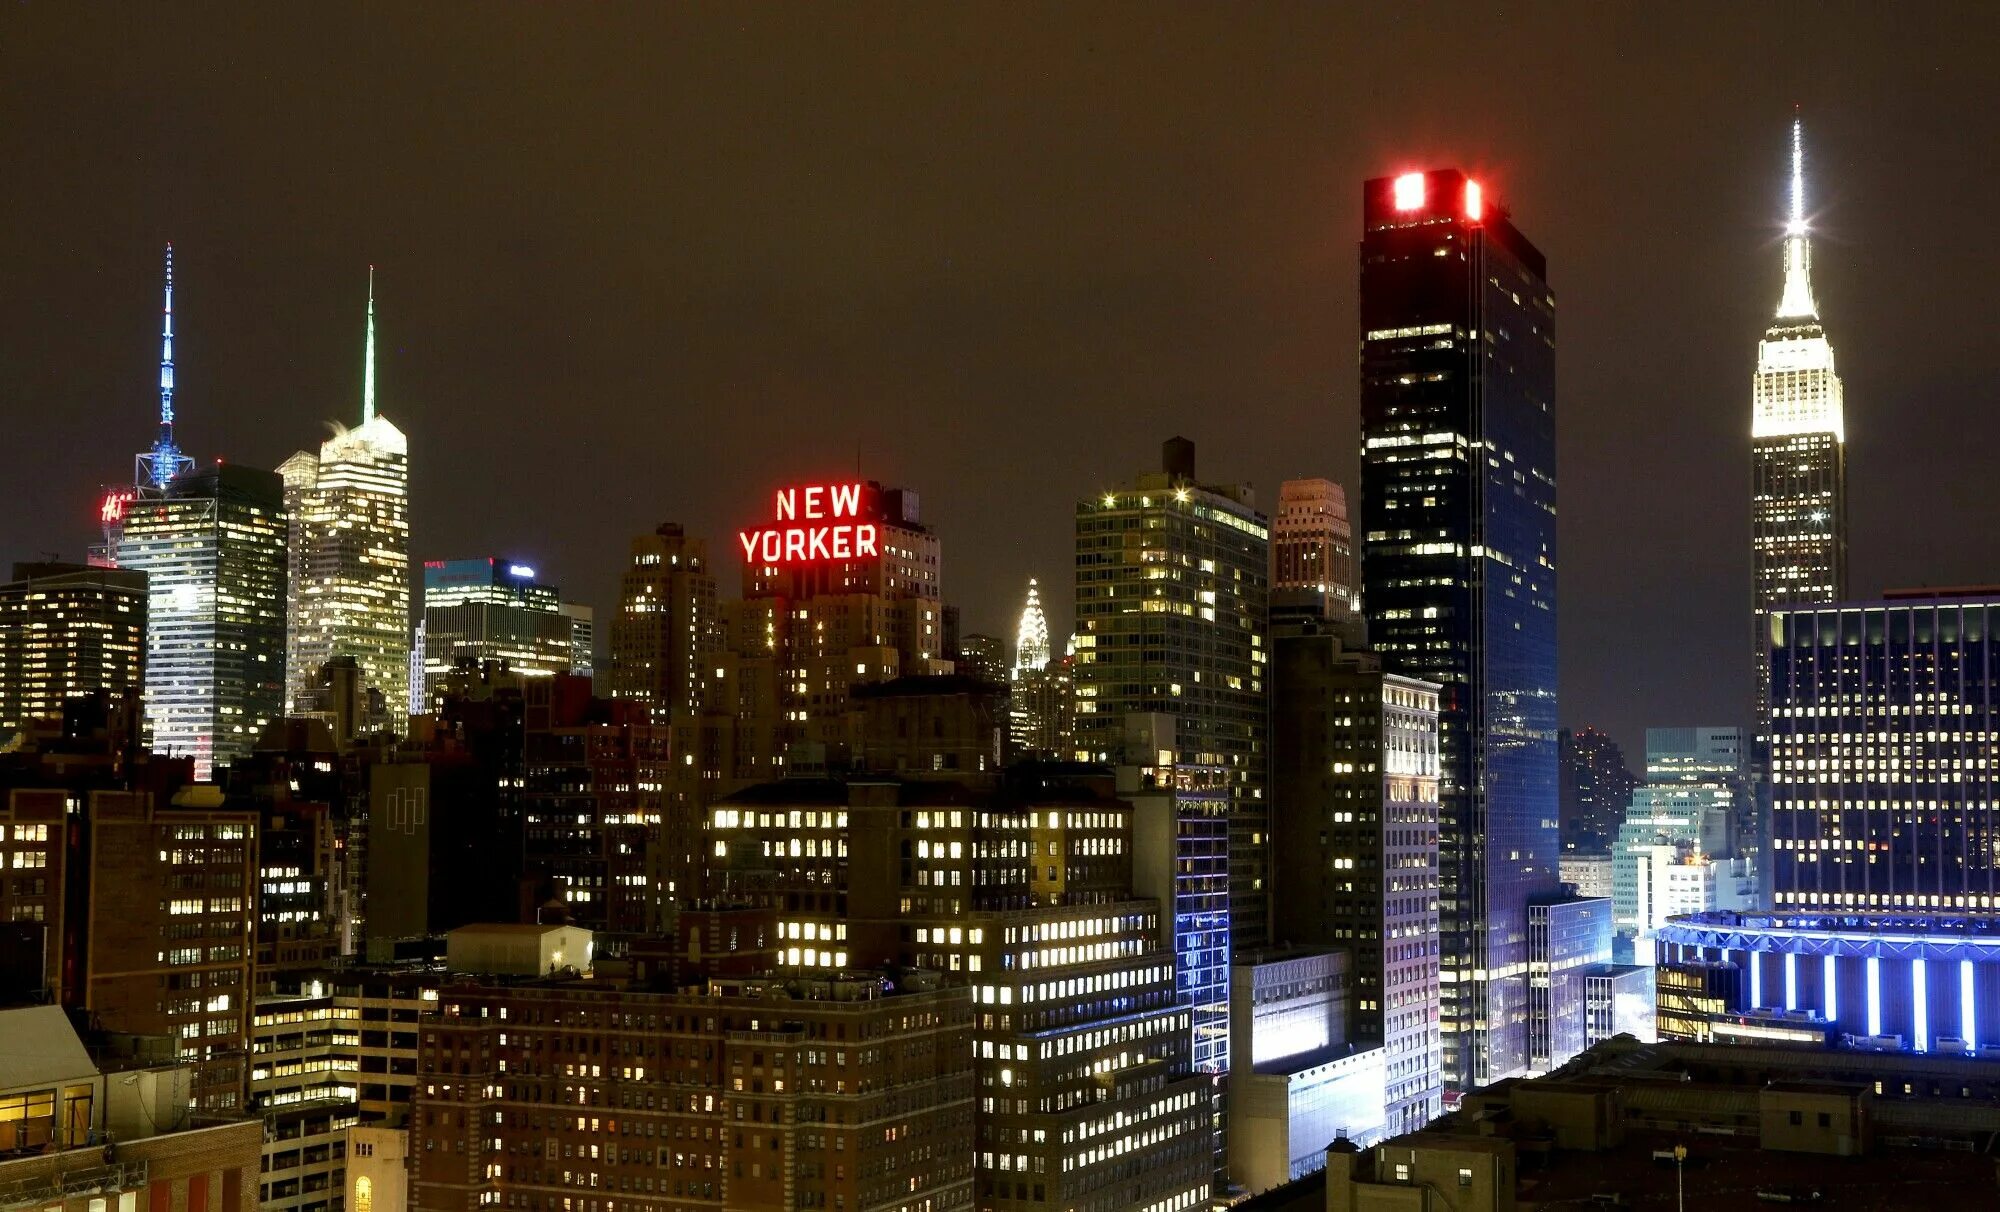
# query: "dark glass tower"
x,y
1458,567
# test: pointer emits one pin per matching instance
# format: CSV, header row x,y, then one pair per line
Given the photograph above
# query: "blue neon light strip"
x,y
1791,980
1830,975
1920,985
1756,979
1968,1021
1874,996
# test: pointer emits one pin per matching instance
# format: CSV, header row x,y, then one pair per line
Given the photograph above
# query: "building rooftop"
x,y
38,1047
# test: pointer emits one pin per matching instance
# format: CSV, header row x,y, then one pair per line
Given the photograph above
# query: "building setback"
x,y
1458,566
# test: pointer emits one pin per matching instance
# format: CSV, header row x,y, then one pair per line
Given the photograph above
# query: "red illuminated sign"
x,y
111,510
816,522
1475,201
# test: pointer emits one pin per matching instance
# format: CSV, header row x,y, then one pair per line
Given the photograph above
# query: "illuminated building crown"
x,y
1031,640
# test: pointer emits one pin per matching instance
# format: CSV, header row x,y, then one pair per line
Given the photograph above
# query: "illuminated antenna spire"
x,y
1797,301
1798,224
368,372
157,467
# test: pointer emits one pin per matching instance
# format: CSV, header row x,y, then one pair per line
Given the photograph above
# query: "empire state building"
x,y
1798,449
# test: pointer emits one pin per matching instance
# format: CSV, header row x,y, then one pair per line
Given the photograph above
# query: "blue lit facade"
x,y
1918,982
1458,498
1569,940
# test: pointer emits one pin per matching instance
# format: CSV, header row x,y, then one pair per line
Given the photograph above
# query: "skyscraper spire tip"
x,y
368,371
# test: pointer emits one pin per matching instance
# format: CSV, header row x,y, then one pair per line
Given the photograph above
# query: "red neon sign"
x,y
111,509
815,522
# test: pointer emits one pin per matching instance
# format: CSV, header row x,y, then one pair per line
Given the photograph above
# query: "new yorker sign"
x,y
815,523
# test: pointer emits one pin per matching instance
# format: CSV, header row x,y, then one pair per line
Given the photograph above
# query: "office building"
x,y
333,1051
1879,725
85,1133
664,632
983,657
1595,791
818,1090
1677,850
582,638
493,611
1042,690
1297,1081
350,555
1568,939
1354,762
1458,566
212,546
1798,446
1172,594
1312,546
68,631
1587,874
140,914
593,785
1087,1093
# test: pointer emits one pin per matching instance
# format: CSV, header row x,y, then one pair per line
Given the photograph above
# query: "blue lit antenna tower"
x,y
155,468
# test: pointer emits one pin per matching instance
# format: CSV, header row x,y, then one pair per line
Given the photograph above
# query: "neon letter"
x,y
816,544
846,500
864,540
842,548
749,540
773,549
788,504
815,502
795,544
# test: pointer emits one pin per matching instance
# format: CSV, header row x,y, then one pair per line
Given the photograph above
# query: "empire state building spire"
x,y
1797,301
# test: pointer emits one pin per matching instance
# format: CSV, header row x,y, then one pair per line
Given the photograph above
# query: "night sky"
x,y
650,263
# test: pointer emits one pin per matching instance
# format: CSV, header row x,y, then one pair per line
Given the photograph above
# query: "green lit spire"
x,y
368,372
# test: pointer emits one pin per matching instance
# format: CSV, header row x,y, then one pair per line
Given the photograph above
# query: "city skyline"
x,y
1247,309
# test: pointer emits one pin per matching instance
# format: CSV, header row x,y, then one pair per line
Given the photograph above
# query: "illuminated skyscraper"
x,y
1041,701
491,611
1172,578
68,630
350,555
1798,447
212,546
1458,567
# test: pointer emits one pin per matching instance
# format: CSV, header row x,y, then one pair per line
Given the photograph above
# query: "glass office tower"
x,y
1458,568
212,546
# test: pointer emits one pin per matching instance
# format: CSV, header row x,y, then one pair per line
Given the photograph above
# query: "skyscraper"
x,y
350,555
1596,790
68,630
1041,704
664,630
212,546
1354,773
1798,446
1172,595
1312,545
1458,566
491,610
